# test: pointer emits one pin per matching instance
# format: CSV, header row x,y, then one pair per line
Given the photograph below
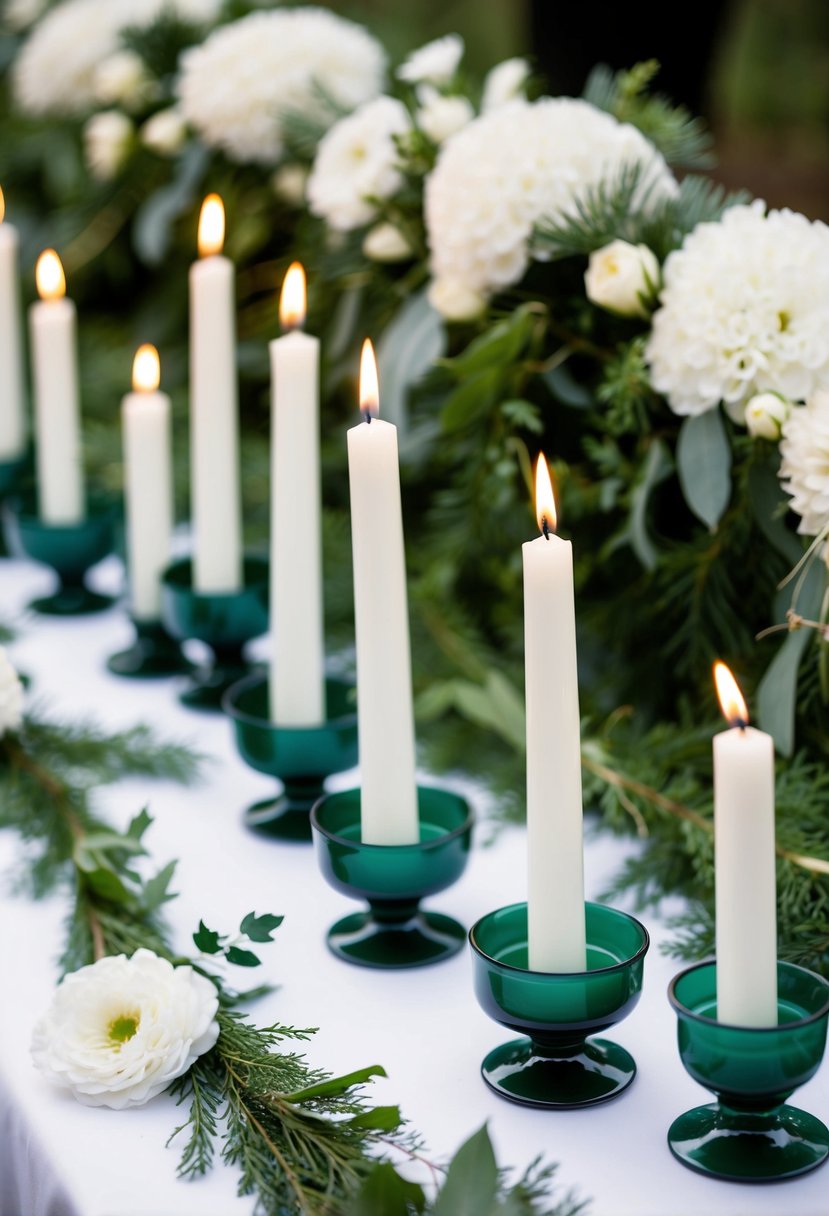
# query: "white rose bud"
x,y
165,132
436,62
504,83
441,116
11,695
765,415
386,243
122,78
289,182
106,139
621,277
455,301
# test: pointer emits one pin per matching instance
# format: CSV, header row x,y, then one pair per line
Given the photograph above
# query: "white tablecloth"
x,y
58,1158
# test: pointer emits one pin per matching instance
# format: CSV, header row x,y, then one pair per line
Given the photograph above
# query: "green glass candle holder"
x,y
558,1067
152,656
300,756
393,879
71,550
750,1134
223,621
11,472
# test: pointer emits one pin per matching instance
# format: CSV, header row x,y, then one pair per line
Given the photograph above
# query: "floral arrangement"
x,y
131,1019
543,272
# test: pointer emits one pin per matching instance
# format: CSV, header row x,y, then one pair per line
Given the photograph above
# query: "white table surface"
x,y
423,1026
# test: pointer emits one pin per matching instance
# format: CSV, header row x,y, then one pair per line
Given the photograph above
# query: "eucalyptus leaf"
x,y
498,347
152,231
777,691
565,388
471,1186
703,457
385,1193
471,399
767,498
656,468
408,348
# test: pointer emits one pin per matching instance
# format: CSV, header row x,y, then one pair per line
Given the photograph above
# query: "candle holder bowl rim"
x,y
619,966
255,678
421,845
691,1014
252,564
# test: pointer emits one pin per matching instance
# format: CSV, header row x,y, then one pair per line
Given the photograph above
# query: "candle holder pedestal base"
x,y
393,879
558,1067
301,757
152,656
750,1134
70,549
224,621
10,472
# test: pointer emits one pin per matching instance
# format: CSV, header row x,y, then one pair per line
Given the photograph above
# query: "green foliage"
x,y
253,928
703,463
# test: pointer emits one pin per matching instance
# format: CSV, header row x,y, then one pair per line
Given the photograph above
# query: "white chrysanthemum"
x,y
11,695
804,470
744,310
123,79
514,166
434,63
357,161
56,69
118,1032
235,88
440,116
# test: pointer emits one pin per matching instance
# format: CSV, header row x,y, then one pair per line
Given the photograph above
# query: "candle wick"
x,y
367,414
741,724
545,527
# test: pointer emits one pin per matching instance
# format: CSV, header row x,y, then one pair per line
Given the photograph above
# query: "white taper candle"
x,y
12,412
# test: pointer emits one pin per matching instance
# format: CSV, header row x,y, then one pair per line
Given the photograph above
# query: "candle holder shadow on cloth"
x,y
749,1134
153,655
393,879
558,1067
70,549
224,621
300,756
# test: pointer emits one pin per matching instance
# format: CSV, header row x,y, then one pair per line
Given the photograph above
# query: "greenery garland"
x,y
301,1140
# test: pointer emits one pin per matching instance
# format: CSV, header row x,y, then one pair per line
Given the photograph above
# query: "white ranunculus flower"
x,y
804,469
107,137
122,78
119,1031
235,88
289,183
440,116
356,162
455,301
11,695
744,310
515,166
765,415
504,83
622,277
386,243
434,63
165,132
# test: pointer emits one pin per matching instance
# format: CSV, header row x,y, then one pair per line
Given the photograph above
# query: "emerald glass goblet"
x,y
225,621
750,1134
70,549
300,756
152,655
11,473
558,1066
393,879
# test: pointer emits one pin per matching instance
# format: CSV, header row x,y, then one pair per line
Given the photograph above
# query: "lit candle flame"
x,y
146,369
292,301
545,501
2,205
369,384
49,276
211,226
732,702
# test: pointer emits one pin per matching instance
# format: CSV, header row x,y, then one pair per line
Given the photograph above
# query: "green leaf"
x,y
408,348
565,388
523,414
260,928
139,824
385,1193
207,941
777,692
156,891
108,885
103,842
656,468
499,346
242,958
471,1186
474,397
337,1085
766,498
152,231
378,1118
703,455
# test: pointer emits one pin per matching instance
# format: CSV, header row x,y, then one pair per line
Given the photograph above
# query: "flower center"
x,y
783,320
122,1029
